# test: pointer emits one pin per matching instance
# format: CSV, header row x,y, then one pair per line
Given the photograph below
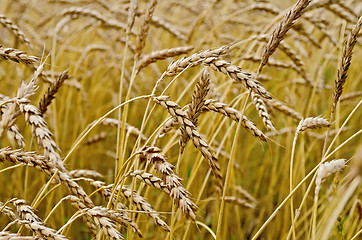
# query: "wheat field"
x,y
213,119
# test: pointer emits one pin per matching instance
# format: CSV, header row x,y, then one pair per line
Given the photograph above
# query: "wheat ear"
x,y
262,111
212,105
15,30
191,131
162,54
194,107
145,26
312,123
180,195
52,90
16,55
345,63
281,30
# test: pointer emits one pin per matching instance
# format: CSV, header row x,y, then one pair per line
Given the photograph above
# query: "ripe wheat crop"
x,y
180,119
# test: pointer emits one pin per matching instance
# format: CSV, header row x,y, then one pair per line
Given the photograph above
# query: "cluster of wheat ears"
x,y
98,100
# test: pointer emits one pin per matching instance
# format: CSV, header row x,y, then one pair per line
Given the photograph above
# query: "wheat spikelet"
x,y
16,55
312,123
144,28
139,201
281,30
167,127
8,117
262,111
14,29
191,131
118,217
345,63
86,218
212,105
162,54
52,90
180,194
100,216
